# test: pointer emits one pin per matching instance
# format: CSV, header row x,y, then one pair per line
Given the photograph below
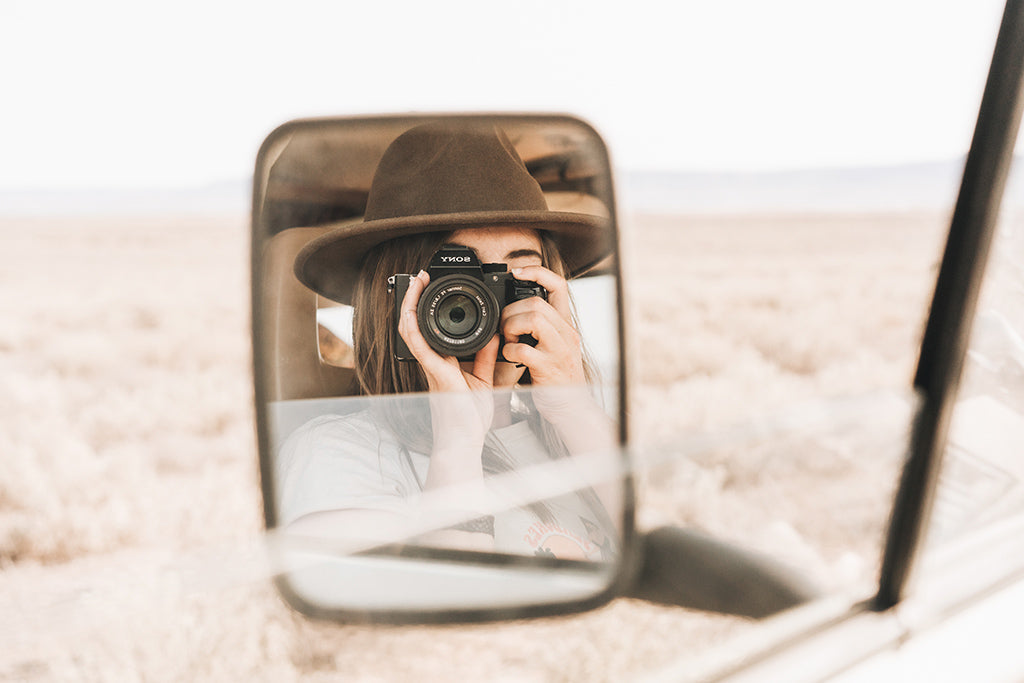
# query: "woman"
x,y
457,186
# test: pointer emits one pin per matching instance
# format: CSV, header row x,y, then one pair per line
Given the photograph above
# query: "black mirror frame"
x,y
947,333
629,560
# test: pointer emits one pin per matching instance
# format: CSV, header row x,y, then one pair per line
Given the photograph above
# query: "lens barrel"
x,y
457,315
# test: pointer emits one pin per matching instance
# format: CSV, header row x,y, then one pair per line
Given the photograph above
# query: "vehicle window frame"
x,y
954,303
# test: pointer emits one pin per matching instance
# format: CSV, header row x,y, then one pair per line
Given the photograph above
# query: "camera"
x,y
460,309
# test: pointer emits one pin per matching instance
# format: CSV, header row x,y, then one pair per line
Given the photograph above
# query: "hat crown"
x,y
435,169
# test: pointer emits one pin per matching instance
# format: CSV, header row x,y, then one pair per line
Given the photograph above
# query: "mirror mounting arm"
x,y
686,568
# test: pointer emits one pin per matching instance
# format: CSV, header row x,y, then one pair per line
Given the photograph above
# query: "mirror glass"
x,y
437,343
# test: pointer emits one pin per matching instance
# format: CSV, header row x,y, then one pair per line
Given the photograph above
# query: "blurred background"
x,y
785,176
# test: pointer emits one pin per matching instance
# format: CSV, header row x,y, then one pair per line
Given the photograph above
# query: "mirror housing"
x,y
315,178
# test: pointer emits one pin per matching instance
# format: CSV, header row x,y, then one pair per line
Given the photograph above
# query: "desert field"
x,y
130,511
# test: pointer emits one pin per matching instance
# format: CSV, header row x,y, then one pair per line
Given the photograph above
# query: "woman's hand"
x,y
462,408
556,362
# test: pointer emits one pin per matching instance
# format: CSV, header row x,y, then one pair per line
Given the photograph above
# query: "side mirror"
x,y
407,474
451,446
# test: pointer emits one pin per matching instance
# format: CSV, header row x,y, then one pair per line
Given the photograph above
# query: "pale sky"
x,y
132,94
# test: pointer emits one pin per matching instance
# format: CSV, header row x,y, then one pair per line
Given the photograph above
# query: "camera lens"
x,y
457,315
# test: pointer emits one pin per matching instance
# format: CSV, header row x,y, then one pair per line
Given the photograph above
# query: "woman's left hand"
x,y
560,389
556,362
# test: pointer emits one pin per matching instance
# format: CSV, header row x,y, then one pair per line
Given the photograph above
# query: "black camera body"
x,y
459,311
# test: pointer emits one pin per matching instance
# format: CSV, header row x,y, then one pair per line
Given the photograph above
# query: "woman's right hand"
x,y
463,408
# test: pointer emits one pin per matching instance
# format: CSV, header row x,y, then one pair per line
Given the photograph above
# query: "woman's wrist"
x,y
588,424
457,449
455,462
568,405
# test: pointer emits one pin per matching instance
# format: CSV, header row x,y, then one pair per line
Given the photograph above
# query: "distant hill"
x,y
928,186
925,186
225,197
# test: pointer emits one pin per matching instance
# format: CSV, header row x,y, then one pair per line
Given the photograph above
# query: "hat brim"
x,y
330,264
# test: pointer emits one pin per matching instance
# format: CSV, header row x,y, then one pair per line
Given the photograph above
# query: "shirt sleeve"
x,y
339,463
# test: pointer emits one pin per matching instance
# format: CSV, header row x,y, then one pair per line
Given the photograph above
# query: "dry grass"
x,y
129,485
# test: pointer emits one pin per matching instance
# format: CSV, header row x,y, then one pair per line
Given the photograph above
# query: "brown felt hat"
x,y
439,177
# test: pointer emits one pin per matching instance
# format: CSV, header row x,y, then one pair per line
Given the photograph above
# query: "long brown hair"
x,y
373,326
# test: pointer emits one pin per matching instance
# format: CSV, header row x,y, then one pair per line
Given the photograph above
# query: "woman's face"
x,y
516,248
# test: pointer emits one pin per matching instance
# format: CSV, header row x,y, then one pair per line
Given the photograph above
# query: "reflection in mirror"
x,y
436,317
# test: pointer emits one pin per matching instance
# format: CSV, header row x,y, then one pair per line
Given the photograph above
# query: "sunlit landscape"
x,y
130,512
